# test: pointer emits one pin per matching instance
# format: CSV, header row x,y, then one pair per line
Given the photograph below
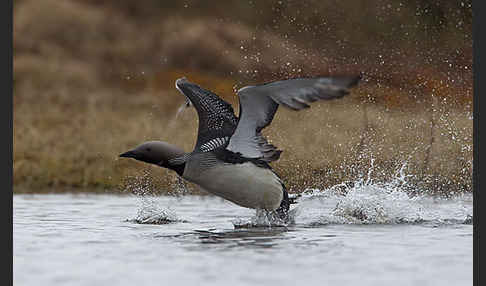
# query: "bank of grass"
x,y
64,145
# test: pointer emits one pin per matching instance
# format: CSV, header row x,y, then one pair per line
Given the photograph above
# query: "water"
x,y
372,235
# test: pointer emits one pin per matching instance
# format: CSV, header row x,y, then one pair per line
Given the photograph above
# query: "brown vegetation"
x,y
94,78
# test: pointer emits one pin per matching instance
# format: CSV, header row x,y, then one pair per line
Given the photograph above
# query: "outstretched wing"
x,y
258,105
217,120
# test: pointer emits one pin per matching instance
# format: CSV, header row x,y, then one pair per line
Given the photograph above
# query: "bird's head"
x,y
155,152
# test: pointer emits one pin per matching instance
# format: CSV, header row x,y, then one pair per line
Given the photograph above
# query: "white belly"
x,y
244,184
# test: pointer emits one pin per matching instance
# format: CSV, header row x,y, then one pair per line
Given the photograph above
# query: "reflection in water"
x,y
263,237
228,238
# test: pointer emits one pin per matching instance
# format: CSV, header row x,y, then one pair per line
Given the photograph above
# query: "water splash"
x,y
150,212
179,188
374,204
267,219
366,201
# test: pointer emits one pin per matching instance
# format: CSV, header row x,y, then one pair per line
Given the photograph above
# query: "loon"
x,y
231,157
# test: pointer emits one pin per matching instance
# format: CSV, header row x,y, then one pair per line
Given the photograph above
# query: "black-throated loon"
x,y
231,157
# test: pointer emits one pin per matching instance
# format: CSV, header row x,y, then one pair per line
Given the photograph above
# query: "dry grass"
x,y
88,85
57,144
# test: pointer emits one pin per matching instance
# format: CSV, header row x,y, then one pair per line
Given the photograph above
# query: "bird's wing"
x,y
217,120
258,105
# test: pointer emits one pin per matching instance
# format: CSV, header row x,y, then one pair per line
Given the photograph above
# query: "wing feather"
x,y
258,105
217,120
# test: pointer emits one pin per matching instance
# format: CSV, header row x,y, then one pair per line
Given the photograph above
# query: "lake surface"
x,y
373,235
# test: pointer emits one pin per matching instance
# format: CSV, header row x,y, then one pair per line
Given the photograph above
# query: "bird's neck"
x,y
179,168
176,167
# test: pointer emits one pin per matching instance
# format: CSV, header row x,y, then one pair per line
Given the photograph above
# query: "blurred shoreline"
x,y
94,78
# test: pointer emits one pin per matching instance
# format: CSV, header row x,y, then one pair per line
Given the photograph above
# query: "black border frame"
x,y
476,107
7,121
7,114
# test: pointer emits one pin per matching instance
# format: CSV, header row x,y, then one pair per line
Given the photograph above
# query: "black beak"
x,y
128,154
